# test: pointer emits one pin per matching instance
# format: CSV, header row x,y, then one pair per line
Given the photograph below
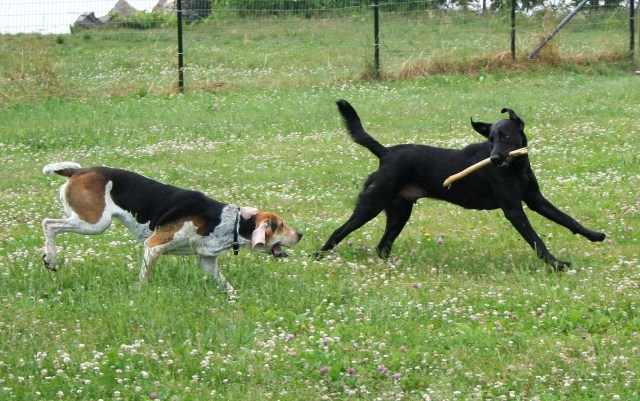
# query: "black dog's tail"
x,y
357,132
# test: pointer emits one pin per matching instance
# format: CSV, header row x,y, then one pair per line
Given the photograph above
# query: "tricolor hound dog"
x,y
167,219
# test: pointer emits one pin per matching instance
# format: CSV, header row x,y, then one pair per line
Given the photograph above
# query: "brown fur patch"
x,y
271,218
200,223
85,195
166,232
262,216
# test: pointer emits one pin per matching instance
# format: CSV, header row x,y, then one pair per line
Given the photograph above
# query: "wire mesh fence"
x,y
114,47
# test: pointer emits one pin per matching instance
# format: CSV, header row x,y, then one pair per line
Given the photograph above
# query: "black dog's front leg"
x,y
539,204
515,214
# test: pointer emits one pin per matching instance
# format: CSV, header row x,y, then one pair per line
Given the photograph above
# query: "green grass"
x,y
476,317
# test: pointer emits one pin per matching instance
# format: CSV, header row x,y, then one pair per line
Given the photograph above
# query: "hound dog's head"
x,y
267,232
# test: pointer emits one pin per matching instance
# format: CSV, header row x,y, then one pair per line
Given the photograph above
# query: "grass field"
x,y
463,309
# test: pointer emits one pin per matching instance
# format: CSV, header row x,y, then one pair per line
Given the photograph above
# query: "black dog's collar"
x,y
235,245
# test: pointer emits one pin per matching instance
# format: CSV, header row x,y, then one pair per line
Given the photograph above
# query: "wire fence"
x,y
122,47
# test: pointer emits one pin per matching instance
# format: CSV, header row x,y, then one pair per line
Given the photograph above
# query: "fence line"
x,y
244,42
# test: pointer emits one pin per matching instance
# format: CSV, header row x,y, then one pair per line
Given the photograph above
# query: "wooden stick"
x,y
447,183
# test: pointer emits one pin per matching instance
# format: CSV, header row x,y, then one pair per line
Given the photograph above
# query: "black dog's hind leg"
x,y
515,214
379,190
360,217
398,213
539,204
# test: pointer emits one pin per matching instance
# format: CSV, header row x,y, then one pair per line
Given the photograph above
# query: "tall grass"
x,y
463,309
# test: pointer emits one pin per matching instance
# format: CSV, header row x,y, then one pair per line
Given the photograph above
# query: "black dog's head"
x,y
504,136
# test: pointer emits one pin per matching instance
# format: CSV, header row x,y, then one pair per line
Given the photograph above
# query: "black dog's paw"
x,y
319,255
559,265
597,237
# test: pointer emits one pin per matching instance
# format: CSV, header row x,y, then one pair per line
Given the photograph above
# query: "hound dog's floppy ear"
x,y
514,117
259,235
481,128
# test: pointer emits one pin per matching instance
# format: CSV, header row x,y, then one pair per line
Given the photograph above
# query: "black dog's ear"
x,y
514,117
481,128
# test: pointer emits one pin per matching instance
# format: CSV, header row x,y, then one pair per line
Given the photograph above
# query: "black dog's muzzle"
x,y
500,161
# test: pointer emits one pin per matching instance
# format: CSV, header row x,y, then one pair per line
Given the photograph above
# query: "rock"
x,y
165,6
120,11
87,21
123,9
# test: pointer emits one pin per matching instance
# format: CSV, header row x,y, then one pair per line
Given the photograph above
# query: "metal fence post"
x,y
180,53
631,28
376,33
513,29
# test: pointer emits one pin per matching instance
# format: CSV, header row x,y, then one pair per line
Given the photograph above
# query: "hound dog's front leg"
x,y
168,238
151,255
209,265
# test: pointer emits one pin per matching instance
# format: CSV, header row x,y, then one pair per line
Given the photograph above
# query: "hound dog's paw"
x,y
49,263
232,294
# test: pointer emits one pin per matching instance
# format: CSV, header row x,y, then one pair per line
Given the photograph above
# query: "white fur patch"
x,y
248,212
53,167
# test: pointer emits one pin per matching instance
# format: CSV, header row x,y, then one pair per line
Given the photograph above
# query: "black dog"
x,y
410,172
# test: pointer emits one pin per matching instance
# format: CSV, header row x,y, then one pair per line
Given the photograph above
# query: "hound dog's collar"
x,y
235,245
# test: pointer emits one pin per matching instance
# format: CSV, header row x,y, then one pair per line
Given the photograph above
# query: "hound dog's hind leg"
x,y
53,227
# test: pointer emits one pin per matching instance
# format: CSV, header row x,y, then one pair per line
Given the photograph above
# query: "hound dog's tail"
x,y
357,132
65,169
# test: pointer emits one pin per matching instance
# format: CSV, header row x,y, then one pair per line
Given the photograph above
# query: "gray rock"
x,y
87,21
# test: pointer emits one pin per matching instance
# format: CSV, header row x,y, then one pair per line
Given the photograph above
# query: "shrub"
x,y
143,20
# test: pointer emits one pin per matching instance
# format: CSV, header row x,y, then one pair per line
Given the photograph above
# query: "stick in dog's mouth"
x,y
447,183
